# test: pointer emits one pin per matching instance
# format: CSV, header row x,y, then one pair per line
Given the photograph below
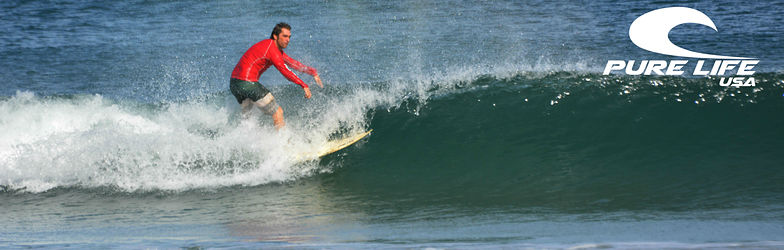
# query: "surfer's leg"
x,y
277,119
246,93
268,105
246,104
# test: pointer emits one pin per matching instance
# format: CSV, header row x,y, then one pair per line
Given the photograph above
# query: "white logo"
x,y
651,32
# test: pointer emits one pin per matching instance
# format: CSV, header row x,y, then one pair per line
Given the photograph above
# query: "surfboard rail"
x,y
332,146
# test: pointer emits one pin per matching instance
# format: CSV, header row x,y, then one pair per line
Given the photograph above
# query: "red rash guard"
x,y
259,58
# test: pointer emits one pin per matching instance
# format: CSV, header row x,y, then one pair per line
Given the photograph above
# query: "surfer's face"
x,y
282,39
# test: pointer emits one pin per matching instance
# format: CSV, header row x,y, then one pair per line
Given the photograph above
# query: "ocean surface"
x,y
493,127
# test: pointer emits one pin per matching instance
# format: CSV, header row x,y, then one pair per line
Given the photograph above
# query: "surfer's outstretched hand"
x,y
307,92
317,78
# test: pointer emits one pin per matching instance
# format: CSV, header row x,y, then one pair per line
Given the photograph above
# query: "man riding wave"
x,y
244,83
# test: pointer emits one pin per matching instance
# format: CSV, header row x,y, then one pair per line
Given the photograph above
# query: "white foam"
x,y
92,142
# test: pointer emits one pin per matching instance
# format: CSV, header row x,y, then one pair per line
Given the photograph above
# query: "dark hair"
x,y
278,27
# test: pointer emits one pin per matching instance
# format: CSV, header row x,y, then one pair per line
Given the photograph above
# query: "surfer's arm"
x,y
280,65
298,66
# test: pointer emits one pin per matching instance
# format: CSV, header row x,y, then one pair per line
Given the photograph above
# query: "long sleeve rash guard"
x,y
263,54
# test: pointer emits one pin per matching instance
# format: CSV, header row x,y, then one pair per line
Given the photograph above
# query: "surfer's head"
x,y
281,34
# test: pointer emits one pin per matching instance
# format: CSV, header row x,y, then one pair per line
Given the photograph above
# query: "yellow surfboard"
x,y
331,147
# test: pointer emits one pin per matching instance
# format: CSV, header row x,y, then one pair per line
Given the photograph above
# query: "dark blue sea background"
x,y
493,127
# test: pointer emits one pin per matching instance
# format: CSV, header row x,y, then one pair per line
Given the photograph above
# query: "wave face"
x,y
560,139
569,140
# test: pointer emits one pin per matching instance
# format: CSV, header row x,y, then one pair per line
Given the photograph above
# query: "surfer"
x,y
244,83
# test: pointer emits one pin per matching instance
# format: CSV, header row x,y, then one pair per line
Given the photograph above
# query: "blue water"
x,y
493,127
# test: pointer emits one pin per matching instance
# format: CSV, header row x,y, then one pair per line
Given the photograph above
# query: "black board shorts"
x,y
247,90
